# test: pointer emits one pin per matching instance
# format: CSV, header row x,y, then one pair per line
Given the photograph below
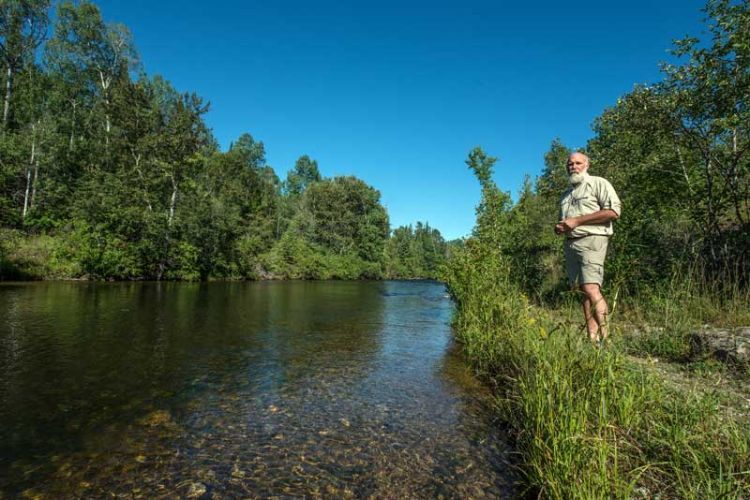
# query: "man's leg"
x,y
592,327
595,310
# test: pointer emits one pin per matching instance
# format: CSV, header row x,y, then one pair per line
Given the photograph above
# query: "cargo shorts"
x,y
584,259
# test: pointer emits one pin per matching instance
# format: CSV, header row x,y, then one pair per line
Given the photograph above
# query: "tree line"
x,y
676,151
109,173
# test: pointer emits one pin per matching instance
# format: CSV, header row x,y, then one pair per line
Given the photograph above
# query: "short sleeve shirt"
x,y
591,195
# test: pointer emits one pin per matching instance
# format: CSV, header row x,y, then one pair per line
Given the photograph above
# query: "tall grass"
x,y
588,423
660,320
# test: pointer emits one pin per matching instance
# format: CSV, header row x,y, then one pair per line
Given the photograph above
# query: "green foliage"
x,y
592,423
338,229
36,257
305,173
418,252
119,173
494,204
344,215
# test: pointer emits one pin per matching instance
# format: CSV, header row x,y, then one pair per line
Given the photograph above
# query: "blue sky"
x,y
398,92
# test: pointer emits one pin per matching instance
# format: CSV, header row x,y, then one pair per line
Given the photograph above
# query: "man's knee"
x,y
591,291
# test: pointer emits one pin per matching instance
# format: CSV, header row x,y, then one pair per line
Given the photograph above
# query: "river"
x,y
241,389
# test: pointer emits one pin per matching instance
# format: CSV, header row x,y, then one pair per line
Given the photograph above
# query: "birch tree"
x,y
23,27
83,45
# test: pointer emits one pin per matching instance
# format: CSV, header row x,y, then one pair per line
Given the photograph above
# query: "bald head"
x,y
578,159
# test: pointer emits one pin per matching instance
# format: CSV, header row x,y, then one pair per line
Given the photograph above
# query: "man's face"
x,y
577,164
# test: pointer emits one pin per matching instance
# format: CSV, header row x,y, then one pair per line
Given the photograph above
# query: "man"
x,y
587,210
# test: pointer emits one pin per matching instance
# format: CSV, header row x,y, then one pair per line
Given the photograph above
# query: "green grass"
x,y
588,422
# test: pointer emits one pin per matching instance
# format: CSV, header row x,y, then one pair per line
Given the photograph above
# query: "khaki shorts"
x,y
584,259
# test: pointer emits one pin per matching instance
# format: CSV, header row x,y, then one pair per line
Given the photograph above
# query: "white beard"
x,y
575,179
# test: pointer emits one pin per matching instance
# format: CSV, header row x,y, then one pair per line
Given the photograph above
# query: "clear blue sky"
x,y
398,92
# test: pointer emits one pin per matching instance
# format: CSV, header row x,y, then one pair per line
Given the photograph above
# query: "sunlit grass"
x,y
588,422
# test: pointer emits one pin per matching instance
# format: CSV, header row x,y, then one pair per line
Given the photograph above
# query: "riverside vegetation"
x,y
109,173
646,416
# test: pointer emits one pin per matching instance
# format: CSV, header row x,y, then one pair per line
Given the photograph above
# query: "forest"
x,y
108,173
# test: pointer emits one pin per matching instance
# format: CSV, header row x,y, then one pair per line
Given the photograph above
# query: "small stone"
x,y
156,418
196,490
237,472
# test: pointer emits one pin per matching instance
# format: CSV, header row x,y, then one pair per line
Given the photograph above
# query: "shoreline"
x,y
612,422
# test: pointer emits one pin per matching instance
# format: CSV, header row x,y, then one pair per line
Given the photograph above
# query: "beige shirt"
x,y
591,195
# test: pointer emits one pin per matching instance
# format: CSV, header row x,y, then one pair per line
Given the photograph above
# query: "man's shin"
x,y
589,315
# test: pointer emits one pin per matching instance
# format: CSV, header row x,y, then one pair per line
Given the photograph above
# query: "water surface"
x,y
220,390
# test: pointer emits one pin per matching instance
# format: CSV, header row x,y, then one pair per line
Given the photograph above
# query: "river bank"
x,y
52,257
596,423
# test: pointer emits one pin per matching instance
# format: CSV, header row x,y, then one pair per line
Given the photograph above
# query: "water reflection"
x,y
227,389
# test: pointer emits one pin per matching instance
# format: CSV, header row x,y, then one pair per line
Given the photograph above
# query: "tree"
x,y
83,45
305,173
415,252
23,26
494,204
710,113
344,215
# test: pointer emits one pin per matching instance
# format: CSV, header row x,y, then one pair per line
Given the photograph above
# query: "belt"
x,y
573,238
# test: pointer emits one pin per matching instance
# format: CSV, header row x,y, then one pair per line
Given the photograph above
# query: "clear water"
x,y
224,390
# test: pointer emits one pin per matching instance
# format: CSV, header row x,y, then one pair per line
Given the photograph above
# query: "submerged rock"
x,y
157,418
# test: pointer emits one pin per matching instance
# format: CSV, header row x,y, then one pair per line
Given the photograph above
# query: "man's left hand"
x,y
566,225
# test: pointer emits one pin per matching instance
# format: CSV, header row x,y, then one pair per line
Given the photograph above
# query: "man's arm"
x,y
600,217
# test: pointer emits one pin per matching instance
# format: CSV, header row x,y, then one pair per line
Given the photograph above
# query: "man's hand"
x,y
566,225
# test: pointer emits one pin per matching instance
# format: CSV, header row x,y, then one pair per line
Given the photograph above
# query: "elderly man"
x,y
587,210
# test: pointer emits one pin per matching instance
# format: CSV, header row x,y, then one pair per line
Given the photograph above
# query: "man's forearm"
x,y
599,217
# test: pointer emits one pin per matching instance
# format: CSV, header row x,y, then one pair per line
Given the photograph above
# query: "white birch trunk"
x,y
105,82
684,170
173,202
32,159
33,183
137,159
8,90
72,124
